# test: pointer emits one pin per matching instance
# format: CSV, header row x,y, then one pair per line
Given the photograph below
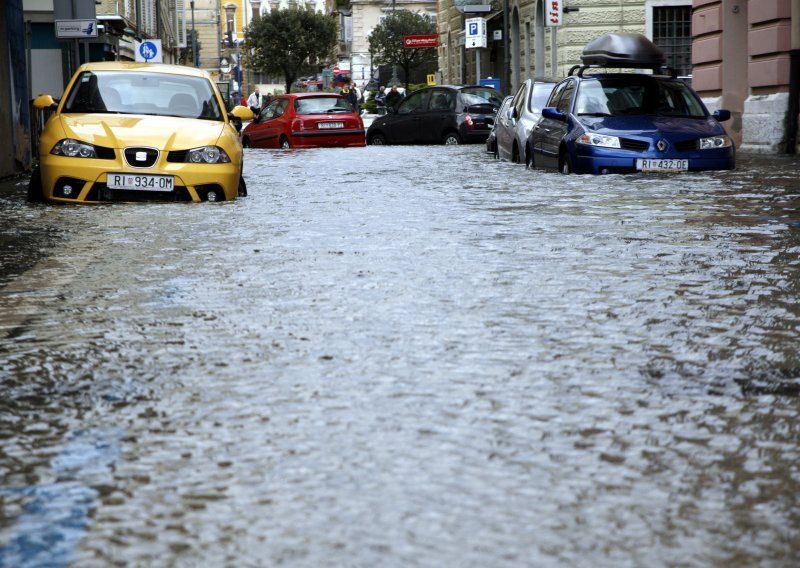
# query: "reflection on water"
x,y
407,356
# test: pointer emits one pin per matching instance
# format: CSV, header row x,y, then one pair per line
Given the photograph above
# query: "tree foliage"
x,y
292,42
386,41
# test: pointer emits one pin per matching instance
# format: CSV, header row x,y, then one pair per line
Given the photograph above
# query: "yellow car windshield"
x,y
139,92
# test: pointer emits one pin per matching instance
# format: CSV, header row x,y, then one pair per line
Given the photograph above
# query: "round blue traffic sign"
x,y
148,50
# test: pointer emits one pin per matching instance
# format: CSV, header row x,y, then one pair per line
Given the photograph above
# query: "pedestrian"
x,y
357,91
351,96
393,98
243,102
255,101
380,100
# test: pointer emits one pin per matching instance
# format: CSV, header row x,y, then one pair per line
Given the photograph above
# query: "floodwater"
x,y
406,356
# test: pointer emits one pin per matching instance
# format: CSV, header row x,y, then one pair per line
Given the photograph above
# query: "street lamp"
x,y
230,13
194,43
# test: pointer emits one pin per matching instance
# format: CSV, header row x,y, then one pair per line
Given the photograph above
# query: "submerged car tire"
x,y
515,154
529,162
451,139
245,142
495,153
377,139
242,192
285,144
565,164
35,189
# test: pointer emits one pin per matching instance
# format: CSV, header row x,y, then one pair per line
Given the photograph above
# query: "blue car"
x,y
596,122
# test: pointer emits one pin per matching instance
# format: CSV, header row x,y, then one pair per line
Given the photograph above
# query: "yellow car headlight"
x,y
73,149
207,155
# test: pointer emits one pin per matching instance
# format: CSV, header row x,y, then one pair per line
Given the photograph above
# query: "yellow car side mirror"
x,y
242,113
43,102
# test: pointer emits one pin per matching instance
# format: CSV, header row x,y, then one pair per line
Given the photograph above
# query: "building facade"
x,y
534,48
743,56
366,14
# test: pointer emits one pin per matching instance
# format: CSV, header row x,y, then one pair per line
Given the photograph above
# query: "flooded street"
x,y
406,356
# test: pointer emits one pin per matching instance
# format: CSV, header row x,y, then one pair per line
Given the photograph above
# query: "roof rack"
x,y
622,50
659,70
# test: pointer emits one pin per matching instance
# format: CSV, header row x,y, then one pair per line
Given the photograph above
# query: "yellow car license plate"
x,y
140,182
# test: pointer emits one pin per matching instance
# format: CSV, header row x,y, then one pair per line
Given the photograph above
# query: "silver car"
x,y
502,113
512,130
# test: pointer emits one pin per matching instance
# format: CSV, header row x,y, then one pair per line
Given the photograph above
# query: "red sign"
x,y
420,40
554,13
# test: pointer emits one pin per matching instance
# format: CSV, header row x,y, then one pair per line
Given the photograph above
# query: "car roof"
x,y
148,67
607,75
306,95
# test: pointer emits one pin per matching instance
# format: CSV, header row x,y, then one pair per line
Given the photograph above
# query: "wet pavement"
x,y
406,356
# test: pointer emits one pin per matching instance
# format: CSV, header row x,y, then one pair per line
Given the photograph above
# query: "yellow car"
x,y
139,132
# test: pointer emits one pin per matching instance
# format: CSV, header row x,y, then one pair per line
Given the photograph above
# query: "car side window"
x,y
275,109
442,100
415,102
519,99
556,94
566,97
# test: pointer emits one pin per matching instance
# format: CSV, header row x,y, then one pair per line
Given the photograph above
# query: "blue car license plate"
x,y
662,165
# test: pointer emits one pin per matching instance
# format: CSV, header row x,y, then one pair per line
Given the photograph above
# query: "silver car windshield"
x,y
637,95
157,94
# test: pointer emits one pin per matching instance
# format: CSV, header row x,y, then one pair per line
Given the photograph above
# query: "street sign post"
x,y
475,33
475,30
76,29
554,15
149,51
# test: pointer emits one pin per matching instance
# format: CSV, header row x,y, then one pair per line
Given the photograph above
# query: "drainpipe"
x,y
506,87
794,81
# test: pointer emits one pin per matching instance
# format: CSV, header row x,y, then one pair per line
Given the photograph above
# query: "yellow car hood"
x,y
161,132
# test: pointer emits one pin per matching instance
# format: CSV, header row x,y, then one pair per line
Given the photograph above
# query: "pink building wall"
x,y
741,55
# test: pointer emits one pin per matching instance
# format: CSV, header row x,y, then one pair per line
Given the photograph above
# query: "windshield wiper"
x,y
594,114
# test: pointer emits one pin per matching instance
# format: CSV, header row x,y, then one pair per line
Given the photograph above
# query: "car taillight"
x,y
297,125
468,120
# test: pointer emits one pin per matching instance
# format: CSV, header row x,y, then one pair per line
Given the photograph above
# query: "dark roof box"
x,y
623,50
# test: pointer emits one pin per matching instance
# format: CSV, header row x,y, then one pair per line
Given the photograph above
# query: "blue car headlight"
x,y
601,140
207,155
714,142
73,149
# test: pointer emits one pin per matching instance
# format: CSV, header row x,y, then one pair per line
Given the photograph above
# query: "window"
x,y
669,25
566,97
415,102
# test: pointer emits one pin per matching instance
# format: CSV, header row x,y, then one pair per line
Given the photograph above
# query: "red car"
x,y
305,120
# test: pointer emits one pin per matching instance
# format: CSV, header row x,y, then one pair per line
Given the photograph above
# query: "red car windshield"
x,y
322,105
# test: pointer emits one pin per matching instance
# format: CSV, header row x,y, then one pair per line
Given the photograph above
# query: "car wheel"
x,y
377,140
515,154
564,165
35,189
285,145
529,158
246,142
451,138
242,188
495,153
